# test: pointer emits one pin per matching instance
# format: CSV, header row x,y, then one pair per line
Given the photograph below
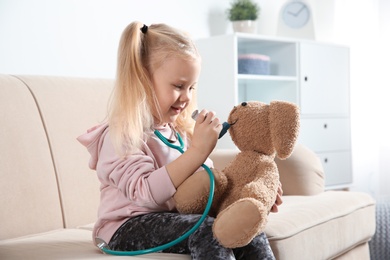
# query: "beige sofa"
x,y
49,196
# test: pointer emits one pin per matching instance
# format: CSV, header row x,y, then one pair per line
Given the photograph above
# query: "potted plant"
x,y
243,15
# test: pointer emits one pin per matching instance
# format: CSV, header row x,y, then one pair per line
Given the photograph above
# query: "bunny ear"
x,y
284,127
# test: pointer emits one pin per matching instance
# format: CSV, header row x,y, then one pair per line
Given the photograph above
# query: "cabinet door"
x,y
337,168
324,78
217,85
325,134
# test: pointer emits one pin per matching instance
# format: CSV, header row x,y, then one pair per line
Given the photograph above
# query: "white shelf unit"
x,y
313,75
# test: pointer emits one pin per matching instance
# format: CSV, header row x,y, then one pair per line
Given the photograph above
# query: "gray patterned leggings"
x,y
154,229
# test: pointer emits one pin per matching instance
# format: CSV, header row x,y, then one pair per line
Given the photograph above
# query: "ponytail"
x,y
133,103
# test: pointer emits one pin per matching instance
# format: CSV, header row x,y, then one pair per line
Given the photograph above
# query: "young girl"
x,y
158,69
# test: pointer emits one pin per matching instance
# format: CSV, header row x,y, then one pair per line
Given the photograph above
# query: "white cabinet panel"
x,y
337,168
324,79
325,134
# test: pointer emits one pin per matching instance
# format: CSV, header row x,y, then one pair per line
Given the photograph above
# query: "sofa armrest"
x,y
300,174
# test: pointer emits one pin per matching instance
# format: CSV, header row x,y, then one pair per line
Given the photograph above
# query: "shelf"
x,y
244,38
313,76
266,77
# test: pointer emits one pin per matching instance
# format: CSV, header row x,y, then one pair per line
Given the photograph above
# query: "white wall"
x,y
80,38
365,26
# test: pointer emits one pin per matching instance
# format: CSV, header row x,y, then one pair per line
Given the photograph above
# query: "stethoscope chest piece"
x,y
101,244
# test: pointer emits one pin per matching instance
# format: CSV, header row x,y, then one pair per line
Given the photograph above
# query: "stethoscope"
x,y
103,246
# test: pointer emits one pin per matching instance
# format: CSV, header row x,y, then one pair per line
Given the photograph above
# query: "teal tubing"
x,y
105,248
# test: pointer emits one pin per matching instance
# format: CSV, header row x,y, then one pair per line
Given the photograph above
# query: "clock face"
x,y
296,14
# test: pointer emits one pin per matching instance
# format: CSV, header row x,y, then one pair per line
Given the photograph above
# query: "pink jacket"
x,y
131,186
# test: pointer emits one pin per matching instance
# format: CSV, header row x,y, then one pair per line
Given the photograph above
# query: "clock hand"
x,y
297,13
303,7
293,14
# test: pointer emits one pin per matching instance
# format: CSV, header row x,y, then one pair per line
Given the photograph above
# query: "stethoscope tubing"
x,y
104,247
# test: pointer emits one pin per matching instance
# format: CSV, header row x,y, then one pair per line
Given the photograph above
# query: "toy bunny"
x,y
247,187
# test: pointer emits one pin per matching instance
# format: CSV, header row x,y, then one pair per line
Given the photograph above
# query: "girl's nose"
x,y
186,95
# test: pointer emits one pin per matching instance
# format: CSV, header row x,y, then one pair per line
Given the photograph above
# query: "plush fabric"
x,y
300,174
261,132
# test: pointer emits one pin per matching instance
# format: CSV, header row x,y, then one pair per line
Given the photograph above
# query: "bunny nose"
x,y
244,104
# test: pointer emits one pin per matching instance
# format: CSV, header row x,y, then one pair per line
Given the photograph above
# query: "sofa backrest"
x,y
40,156
29,196
68,107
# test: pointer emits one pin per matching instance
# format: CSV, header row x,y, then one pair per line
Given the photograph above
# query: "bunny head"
x,y
267,129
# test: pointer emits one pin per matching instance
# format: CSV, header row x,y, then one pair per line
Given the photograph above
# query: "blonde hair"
x,y
133,102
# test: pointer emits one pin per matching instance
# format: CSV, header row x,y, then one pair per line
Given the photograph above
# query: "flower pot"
x,y
245,26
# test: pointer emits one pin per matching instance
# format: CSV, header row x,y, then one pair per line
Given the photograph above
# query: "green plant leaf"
x,y
243,10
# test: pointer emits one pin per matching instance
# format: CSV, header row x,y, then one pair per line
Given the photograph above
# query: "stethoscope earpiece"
x,y
225,125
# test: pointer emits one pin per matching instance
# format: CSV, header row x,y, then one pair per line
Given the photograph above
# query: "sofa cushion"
x,y
340,220
64,244
28,188
69,106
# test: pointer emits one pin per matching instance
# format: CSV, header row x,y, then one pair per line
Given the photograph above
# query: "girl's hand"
x,y
206,132
204,139
279,200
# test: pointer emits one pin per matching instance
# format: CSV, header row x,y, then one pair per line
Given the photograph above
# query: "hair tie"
x,y
144,29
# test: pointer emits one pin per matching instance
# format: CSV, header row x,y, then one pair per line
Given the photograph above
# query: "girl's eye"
x,y
178,86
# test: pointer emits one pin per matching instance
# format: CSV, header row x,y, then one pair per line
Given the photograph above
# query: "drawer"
x,y
325,134
337,168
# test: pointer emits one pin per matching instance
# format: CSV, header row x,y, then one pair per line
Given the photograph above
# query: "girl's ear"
x,y
284,127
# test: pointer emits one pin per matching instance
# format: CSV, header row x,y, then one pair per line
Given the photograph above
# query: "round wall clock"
x,y
296,14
